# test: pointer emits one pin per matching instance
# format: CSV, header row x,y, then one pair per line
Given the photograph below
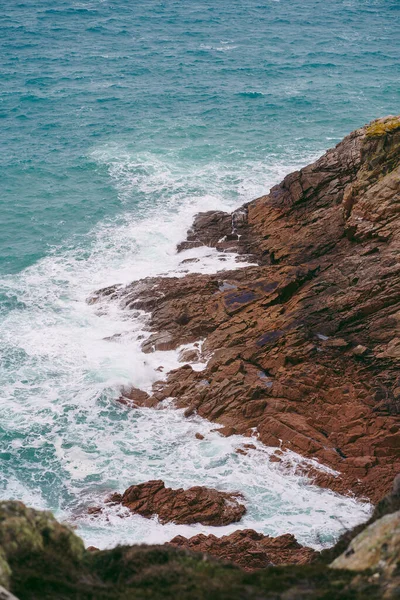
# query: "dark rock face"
x,y
196,505
304,347
248,549
44,560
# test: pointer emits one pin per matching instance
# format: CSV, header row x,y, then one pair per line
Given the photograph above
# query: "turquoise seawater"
x,y
119,121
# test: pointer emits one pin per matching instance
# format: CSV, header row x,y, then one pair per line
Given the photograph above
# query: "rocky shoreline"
x,y
301,350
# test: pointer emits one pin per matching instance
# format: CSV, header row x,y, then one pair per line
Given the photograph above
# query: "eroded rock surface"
x,y
304,347
196,505
248,549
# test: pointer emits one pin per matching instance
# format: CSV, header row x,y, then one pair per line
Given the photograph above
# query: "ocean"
x,y
119,121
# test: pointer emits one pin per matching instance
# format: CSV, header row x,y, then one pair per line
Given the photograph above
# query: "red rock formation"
x,y
248,549
305,347
195,505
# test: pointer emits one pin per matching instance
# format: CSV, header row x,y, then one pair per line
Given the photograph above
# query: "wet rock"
x,y
207,230
273,458
248,549
94,510
304,347
189,356
133,397
159,341
199,436
226,431
189,260
196,505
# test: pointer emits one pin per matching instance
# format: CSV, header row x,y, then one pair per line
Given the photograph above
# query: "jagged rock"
x,y
196,505
207,229
190,355
223,231
305,346
248,549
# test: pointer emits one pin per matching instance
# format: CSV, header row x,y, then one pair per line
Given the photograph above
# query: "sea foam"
x,y
67,442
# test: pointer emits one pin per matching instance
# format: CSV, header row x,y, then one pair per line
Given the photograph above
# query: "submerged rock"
x,y
248,549
196,505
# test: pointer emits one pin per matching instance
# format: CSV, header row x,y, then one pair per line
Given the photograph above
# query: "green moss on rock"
x,y
5,570
382,127
27,531
40,559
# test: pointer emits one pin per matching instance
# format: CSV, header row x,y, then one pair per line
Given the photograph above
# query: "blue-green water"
x,y
120,120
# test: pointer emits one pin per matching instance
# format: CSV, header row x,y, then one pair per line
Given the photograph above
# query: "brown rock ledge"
x,y
248,549
304,347
196,505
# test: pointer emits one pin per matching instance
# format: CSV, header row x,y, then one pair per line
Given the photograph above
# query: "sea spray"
x,y
69,443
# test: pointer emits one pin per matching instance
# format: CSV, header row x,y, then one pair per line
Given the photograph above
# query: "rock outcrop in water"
x,y
303,348
196,505
248,549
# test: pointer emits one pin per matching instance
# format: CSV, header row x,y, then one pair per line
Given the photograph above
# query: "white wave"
x,y
278,501
70,443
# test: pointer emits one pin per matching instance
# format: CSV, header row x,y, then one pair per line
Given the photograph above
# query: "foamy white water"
x,y
67,443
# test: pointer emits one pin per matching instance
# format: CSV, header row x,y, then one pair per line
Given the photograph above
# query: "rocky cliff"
x,y
303,347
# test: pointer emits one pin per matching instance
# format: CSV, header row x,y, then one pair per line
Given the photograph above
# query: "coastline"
x,y
286,337
255,345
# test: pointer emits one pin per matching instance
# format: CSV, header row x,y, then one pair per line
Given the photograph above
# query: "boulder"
x,y
196,505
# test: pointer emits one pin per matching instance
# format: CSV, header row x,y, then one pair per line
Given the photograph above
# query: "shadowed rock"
x,y
46,561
